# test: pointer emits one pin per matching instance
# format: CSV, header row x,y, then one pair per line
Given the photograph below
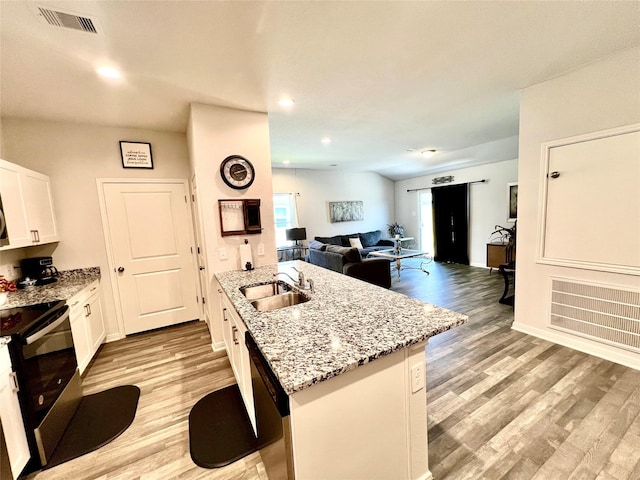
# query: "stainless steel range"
x,y
44,359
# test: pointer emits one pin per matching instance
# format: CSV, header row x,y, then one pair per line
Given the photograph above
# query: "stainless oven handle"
x,y
41,333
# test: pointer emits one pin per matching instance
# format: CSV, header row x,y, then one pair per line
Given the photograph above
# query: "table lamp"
x,y
296,234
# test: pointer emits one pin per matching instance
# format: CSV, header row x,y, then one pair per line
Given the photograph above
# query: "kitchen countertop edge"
x,y
69,283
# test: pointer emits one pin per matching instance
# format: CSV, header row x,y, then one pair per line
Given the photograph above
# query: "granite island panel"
x,y
346,324
69,283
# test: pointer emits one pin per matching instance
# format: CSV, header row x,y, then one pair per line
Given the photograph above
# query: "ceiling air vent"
x,y
59,18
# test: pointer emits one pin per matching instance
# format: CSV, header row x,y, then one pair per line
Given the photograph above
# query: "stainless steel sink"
x,y
282,300
261,290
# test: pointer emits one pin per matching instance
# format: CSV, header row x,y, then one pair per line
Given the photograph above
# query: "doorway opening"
x,y
425,208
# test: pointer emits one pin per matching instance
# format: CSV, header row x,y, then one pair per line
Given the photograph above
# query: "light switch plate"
x,y
222,253
261,249
417,378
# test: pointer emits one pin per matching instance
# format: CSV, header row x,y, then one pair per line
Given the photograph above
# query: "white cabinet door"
x,y
95,320
27,205
11,417
13,205
234,331
37,198
87,325
590,219
80,337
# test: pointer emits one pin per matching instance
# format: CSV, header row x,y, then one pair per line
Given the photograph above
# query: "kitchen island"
x,y
352,361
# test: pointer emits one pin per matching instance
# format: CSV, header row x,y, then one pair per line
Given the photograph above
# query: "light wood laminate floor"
x,y
501,404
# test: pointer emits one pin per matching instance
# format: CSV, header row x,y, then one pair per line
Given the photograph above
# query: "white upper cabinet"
x,y
28,206
15,211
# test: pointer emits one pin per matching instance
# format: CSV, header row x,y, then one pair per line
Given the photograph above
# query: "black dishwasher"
x,y
273,425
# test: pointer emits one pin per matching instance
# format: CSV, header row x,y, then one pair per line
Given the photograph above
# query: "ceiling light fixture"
x,y
326,140
286,102
427,153
108,72
286,162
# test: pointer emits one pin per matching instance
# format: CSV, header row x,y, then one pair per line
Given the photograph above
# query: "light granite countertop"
x,y
347,323
69,283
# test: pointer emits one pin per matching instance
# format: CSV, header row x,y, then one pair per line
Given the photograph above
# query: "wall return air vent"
x,y
59,18
606,314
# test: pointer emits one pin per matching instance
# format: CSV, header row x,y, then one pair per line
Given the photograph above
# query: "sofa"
x,y
349,260
369,241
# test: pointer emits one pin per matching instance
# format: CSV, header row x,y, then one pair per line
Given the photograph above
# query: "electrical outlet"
x,y
417,378
7,271
222,253
261,249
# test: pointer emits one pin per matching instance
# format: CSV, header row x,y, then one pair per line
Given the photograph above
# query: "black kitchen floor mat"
x,y
99,419
220,431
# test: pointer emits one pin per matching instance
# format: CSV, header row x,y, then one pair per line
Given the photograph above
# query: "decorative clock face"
x,y
237,172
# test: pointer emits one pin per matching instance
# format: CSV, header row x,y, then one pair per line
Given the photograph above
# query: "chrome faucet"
x,y
295,282
301,283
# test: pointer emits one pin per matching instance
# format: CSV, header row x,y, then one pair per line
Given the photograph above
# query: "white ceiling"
x,y
377,77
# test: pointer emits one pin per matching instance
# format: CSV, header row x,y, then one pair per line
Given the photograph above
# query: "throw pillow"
x,y
351,255
316,245
356,243
371,239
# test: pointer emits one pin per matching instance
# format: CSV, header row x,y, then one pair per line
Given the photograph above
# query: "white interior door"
x,y
150,234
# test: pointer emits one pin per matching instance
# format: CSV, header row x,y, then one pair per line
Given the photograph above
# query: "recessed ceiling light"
x,y
286,162
326,140
286,102
108,72
427,153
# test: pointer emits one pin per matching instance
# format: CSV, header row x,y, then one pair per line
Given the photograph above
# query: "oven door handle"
x,y
52,326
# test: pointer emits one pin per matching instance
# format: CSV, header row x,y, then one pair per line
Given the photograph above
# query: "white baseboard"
x,y
481,265
112,337
426,476
216,347
613,354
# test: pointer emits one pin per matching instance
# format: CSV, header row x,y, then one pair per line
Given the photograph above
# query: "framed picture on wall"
x,y
512,201
136,154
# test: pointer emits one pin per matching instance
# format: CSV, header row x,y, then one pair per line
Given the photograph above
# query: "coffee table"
x,y
403,253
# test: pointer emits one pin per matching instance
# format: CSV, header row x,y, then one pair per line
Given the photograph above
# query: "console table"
x,y
292,252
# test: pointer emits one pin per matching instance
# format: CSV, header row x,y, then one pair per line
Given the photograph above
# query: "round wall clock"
x,y
237,172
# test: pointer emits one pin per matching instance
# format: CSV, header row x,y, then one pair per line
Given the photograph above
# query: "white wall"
x,y
599,96
74,155
213,134
317,188
488,203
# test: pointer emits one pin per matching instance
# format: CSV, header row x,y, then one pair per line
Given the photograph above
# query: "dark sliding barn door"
x,y
451,223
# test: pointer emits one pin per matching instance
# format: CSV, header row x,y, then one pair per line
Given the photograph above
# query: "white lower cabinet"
x,y
11,416
234,330
87,323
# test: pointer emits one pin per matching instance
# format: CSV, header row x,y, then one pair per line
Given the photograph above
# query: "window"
x,y
284,210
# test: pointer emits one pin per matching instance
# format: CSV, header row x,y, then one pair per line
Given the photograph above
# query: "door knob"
x,y
201,267
120,269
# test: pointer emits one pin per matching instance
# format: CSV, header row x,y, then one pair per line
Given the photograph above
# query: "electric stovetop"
x,y
18,321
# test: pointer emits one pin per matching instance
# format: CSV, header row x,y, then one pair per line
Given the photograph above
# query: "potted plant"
x,y
395,229
508,237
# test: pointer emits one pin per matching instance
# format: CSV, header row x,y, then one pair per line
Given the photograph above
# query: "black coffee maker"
x,y
37,271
